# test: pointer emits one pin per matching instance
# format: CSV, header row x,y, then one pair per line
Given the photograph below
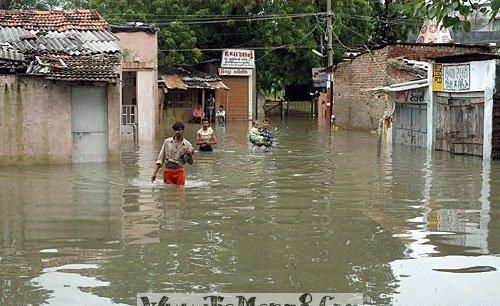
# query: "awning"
x,y
218,85
174,82
401,86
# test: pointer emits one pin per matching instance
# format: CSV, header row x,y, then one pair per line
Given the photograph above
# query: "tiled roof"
x,y
61,45
99,68
53,20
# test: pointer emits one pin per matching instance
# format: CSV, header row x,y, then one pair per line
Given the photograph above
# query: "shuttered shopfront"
x,y
235,100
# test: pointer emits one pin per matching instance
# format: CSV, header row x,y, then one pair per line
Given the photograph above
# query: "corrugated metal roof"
x,y
59,45
72,42
10,54
173,82
219,85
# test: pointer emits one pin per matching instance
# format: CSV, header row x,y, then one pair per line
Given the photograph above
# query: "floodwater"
x,y
320,213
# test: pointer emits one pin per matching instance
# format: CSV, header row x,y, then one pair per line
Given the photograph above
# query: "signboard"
x,y
320,79
451,77
456,77
238,58
235,71
437,77
415,96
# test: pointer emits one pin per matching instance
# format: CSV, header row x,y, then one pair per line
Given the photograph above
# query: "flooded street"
x,y
320,213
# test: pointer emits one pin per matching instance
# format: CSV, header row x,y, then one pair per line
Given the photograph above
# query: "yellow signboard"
x,y
437,77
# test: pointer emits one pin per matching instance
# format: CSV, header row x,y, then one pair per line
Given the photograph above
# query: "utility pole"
x,y
329,32
329,48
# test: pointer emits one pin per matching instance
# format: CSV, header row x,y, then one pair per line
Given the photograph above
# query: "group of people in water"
x,y
177,151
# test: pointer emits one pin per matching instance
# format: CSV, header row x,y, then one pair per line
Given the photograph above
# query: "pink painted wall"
x,y
143,44
140,54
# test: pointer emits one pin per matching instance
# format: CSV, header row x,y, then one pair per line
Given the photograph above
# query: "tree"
x,y
455,13
282,32
393,20
34,4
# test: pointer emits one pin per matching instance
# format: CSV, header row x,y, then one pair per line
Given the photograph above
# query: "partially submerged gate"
x,y
410,118
495,150
459,127
89,124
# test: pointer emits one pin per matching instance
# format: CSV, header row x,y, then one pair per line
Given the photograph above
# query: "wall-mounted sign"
x,y
456,77
437,77
451,77
320,79
416,96
238,58
235,71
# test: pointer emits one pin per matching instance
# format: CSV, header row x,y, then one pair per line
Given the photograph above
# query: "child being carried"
x,y
254,134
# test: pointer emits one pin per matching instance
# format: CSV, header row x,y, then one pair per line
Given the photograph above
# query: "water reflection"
x,y
320,213
453,221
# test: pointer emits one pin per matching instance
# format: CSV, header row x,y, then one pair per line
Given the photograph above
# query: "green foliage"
x,y
393,20
36,4
282,32
455,13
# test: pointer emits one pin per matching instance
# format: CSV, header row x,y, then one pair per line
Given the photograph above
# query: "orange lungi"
x,y
175,176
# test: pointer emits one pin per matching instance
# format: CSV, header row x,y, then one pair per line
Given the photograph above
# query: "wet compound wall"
x,y
35,121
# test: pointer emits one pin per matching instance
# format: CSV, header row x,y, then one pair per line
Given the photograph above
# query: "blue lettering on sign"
x,y
456,77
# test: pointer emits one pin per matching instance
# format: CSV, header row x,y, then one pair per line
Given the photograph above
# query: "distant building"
x,y
355,107
184,87
60,77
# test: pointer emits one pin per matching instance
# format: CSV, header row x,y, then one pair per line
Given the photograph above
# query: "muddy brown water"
x,y
320,213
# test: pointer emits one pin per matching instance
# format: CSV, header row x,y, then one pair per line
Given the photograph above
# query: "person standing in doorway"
x,y
210,104
174,154
205,137
220,116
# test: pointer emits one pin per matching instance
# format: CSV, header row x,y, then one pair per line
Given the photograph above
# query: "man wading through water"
x,y
175,152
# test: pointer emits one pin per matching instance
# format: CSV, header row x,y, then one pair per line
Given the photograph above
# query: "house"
x,y
452,107
60,81
184,87
355,105
140,110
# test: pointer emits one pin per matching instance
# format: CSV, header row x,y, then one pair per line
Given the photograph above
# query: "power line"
x,y
251,48
197,19
226,20
272,49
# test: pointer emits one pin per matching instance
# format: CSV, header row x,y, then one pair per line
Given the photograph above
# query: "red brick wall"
x,y
358,109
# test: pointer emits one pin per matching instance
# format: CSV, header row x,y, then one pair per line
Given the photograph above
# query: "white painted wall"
x,y
482,75
251,94
482,79
146,104
489,88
